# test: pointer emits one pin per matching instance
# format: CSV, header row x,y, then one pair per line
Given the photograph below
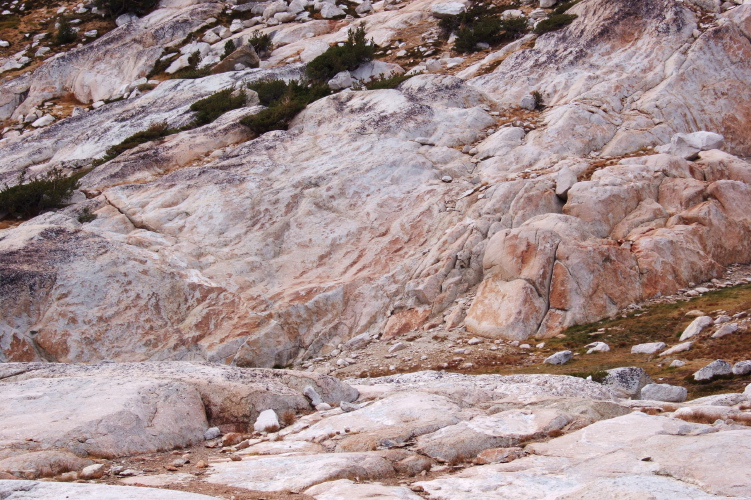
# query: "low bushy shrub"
x,y
114,8
386,83
563,7
210,108
481,24
347,56
284,100
554,22
229,48
161,65
276,117
261,43
270,91
154,132
65,33
86,216
539,103
191,72
31,197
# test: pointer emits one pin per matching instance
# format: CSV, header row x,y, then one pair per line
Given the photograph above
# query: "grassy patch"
x,y
9,22
30,198
657,323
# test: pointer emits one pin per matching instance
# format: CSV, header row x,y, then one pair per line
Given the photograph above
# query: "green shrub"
x,y
114,8
29,199
273,118
161,65
538,99
598,376
554,22
155,131
348,56
480,24
514,28
210,108
563,7
229,47
284,101
261,43
270,91
386,83
65,33
86,216
191,72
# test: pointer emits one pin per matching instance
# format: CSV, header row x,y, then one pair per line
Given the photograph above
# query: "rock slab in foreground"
x,y
296,473
28,490
103,416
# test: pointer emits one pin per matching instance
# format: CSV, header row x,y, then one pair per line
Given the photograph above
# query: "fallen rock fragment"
x,y
499,455
716,368
682,347
465,440
42,464
597,347
299,472
696,327
627,382
94,471
447,10
559,358
648,348
212,433
742,367
267,421
22,490
726,329
664,392
688,146
312,395
345,489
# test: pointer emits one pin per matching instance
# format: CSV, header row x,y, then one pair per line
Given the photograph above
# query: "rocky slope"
x,y
214,245
422,435
490,199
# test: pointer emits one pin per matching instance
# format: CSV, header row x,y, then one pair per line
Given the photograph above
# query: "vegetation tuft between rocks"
x,y
31,197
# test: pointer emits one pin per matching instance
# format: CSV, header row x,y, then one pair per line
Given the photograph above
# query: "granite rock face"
x,y
119,409
215,245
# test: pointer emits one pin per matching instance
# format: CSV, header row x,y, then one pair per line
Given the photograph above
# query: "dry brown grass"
x,y
288,417
660,322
